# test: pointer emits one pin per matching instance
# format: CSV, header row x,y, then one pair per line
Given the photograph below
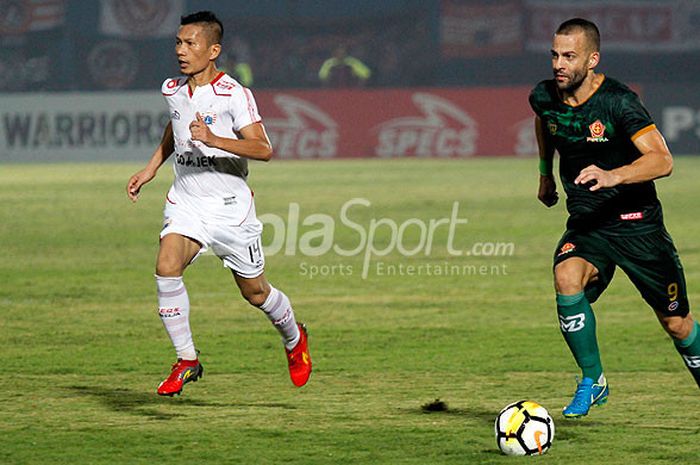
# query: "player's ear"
x,y
593,60
214,51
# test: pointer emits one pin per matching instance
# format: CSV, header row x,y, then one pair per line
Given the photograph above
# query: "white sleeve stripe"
x,y
251,109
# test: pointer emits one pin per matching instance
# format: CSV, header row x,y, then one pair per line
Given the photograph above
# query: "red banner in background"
x,y
20,17
480,29
140,18
440,123
624,25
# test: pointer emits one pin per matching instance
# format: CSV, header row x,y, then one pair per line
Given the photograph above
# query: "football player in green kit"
x,y
610,153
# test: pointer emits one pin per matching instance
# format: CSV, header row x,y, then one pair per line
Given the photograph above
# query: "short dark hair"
x,y
579,24
210,23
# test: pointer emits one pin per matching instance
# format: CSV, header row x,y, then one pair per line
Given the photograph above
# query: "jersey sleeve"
x,y
537,98
243,108
632,116
534,103
172,85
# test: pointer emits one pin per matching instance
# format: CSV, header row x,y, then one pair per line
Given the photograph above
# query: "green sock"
x,y
689,348
577,324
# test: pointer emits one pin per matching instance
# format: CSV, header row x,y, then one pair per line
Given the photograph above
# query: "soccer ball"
x,y
524,428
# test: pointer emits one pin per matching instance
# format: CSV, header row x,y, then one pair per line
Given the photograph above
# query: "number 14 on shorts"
x,y
255,252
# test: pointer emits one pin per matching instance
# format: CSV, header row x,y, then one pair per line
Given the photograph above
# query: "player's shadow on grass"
x,y
440,407
565,428
145,403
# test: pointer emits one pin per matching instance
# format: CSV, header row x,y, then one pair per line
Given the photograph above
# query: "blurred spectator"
x,y
235,60
239,70
343,70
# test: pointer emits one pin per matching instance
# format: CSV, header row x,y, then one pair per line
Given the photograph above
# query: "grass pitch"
x,y
84,347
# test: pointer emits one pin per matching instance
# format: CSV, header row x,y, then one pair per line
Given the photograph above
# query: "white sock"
x,y
279,310
174,311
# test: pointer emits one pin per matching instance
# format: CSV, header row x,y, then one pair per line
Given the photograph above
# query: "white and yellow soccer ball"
x,y
524,428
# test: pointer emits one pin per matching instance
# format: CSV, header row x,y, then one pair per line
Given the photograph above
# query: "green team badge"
x,y
552,127
597,132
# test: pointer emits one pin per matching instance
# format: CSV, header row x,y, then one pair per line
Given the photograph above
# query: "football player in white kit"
x,y
214,129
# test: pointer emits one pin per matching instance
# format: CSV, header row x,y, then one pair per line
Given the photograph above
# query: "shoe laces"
x,y
180,364
582,395
180,360
293,357
296,356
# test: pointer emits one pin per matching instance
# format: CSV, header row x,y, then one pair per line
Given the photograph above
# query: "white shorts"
x,y
238,245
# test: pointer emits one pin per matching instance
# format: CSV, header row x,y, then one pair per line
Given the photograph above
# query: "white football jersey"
x,y
206,175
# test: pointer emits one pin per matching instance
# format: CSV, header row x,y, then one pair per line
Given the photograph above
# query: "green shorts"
x,y
650,260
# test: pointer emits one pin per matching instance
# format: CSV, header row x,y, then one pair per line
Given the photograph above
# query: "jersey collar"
x,y
211,83
587,99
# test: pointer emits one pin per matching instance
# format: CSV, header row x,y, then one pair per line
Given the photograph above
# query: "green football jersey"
x,y
599,132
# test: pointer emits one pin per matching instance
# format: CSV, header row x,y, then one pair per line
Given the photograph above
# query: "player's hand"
x,y
201,132
597,177
133,187
547,193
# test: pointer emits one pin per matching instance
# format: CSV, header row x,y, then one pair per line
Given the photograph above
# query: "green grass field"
x,y
84,348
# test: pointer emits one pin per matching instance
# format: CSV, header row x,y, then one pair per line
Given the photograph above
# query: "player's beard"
x,y
576,78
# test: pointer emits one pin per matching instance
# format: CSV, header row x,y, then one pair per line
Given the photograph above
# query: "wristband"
x,y
546,167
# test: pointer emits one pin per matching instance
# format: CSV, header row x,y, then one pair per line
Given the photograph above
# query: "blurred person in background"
x,y
237,69
343,70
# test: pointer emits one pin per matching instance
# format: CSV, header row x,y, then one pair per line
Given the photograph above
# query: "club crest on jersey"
x,y
225,85
597,132
552,127
209,118
566,248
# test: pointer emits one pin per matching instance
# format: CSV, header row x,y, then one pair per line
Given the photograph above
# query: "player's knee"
x,y
168,267
677,327
567,283
256,296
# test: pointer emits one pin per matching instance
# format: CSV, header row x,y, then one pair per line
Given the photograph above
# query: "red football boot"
x,y
182,373
299,359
